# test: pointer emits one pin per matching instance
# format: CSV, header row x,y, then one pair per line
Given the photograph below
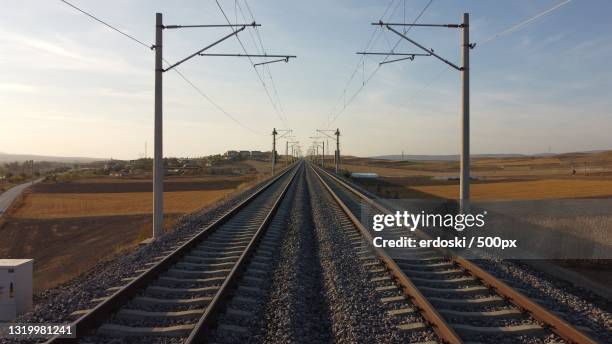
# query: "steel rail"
x,y
440,326
101,312
204,324
556,324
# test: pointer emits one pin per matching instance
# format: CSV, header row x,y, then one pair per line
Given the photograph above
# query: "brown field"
x,y
5,186
525,190
561,165
64,248
522,178
68,227
62,205
500,179
264,167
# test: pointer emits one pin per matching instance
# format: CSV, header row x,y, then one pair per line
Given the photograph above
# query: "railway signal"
x,y
158,164
464,177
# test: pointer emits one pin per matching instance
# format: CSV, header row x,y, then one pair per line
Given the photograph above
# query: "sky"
x,y
73,87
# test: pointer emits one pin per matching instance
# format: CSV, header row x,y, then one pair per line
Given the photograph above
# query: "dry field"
x,y
62,205
5,186
539,179
522,178
68,227
561,165
525,190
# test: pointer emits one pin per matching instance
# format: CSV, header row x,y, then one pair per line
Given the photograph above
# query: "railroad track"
x,y
181,295
461,301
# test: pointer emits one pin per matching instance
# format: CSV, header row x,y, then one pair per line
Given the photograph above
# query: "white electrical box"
x,y
15,287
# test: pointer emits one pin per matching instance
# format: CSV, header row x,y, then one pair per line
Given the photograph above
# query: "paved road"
x,y
7,198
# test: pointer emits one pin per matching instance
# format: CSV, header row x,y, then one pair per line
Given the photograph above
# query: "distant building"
x,y
231,154
256,155
244,154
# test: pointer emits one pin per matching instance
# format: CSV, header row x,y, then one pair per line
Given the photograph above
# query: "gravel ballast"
x,y
55,305
357,312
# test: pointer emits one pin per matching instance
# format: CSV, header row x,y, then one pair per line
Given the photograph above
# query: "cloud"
x,y
40,45
18,88
62,53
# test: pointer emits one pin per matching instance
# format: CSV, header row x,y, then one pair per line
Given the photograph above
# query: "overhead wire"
x,y
373,38
505,32
524,23
178,72
106,24
263,83
263,50
352,98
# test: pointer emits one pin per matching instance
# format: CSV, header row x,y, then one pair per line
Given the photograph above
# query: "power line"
x,y
106,24
333,119
197,89
512,29
181,75
524,23
360,64
256,71
263,49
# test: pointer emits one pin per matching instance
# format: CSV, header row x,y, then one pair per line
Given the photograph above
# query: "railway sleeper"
x,y
444,264
478,289
198,259
484,301
212,253
146,300
139,314
159,290
436,273
193,266
527,329
503,313
130,331
459,280
167,280
191,273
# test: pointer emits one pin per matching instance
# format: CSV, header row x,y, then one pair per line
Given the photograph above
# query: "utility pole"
x,y
285,133
291,144
337,138
323,154
316,155
274,133
337,150
319,141
464,176
158,164
464,181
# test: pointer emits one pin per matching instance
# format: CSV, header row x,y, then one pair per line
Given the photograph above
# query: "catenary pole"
x,y
337,150
465,118
464,173
158,163
273,149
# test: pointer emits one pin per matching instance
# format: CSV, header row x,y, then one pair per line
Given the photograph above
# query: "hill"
x,y
4,157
